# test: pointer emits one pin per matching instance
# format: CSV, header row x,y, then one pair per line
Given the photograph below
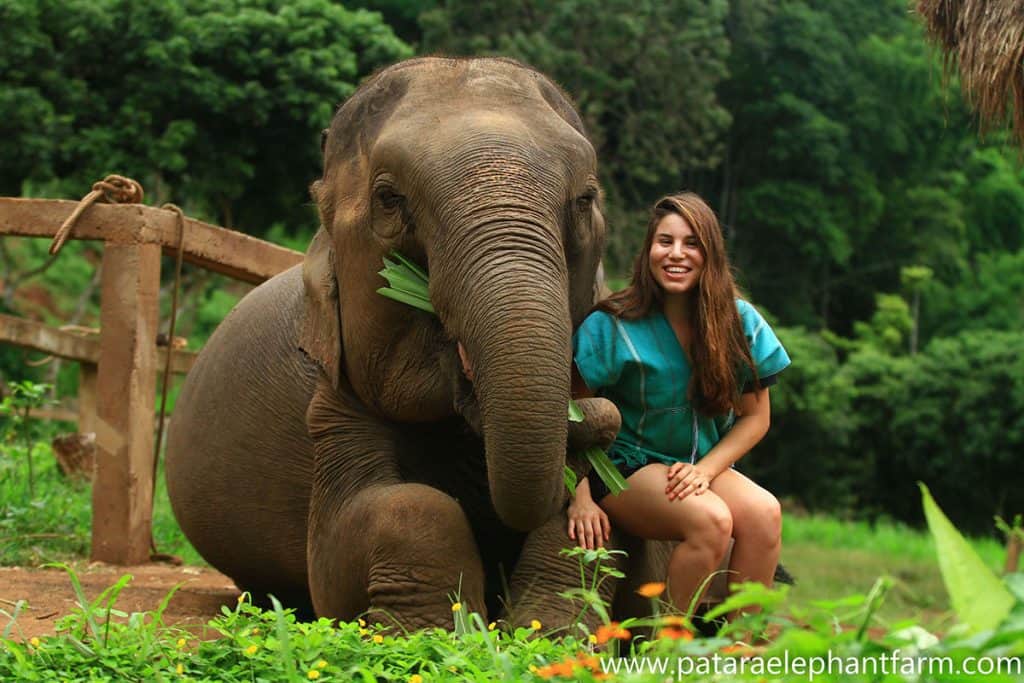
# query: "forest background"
x,y
866,218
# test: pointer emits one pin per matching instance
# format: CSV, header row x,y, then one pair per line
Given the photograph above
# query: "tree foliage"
x,y
859,206
217,104
643,73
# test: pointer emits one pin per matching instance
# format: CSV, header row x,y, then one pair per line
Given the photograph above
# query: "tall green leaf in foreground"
x,y
409,285
980,599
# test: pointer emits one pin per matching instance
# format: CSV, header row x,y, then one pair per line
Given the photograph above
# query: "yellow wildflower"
x,y
321,664
181,643
651,590
378,639
362,622
415,678
241,598
456,607
364,631
491,626
535,625
312,674
255,631
180,669
592,638
251,650
35,642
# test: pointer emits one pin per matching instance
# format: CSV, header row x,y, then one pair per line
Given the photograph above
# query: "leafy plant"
x,y
24,397
980,599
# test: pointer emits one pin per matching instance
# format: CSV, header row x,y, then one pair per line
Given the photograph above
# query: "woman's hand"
x,y
684,479
588,524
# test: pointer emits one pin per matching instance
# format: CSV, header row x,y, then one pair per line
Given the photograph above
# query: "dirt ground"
x,y
50,595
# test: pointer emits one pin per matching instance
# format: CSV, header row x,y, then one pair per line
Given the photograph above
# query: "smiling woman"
x,y
676,257
688,364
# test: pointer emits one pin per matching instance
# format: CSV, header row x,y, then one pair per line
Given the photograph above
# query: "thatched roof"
x,y
985,39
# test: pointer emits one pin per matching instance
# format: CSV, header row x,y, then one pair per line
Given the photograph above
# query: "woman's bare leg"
x,y
757,527
702,525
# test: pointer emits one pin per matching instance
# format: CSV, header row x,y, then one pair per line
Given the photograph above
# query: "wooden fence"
x,y
118,391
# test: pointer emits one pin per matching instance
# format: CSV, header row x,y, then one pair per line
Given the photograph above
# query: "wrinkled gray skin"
x,y
326,447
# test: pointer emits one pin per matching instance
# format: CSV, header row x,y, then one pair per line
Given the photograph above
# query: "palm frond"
x,y
984,41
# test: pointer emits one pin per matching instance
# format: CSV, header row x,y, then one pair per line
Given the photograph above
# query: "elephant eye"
x,y
387,197
584,203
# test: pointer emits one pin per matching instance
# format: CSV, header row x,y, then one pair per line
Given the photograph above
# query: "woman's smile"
x,y
676,259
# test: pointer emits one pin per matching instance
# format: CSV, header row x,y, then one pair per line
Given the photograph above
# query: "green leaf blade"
x,y
406,298
979,598
570,479
420,274
609,474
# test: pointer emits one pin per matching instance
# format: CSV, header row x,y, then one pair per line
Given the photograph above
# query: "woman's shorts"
x,y
598,490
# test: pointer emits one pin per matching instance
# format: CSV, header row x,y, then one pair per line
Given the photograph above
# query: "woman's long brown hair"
x,y
719,348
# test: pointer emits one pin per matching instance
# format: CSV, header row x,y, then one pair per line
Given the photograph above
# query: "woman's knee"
x,y
710,528
760,520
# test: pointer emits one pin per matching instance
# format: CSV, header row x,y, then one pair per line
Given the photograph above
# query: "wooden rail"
x,y
230,253
30,334
119,371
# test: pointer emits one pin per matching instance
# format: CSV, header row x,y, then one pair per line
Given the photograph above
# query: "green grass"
x,y
55,525
832,558
255,645
884,538
836,564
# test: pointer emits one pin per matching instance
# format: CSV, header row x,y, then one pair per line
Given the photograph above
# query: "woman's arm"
x,y
750,427
588,523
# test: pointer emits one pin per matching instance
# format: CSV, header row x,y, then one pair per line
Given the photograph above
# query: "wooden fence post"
x,y
122,494
86,398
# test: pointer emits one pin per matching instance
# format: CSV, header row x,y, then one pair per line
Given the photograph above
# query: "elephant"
x,y
328,446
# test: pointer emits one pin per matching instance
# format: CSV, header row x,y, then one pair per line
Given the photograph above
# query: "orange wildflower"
x,y
675,633
651,590
612,630
566,668
673,620
588,661
737,648
563,669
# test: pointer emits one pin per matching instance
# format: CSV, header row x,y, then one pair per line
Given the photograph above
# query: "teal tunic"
x,y
640,367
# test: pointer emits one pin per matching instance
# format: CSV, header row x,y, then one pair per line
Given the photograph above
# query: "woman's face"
x,y
676,258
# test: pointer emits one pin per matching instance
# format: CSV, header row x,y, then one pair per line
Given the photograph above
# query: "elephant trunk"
x,y
515,326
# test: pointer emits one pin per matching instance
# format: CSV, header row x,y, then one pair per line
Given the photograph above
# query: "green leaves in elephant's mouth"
x,y
409,284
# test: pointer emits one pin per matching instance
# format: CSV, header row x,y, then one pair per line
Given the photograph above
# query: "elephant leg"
x,y
376,544
400,554
542,573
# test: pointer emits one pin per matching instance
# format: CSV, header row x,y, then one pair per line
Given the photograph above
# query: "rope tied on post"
x,y
113,189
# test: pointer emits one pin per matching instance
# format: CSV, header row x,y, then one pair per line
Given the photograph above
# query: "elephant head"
x,y
480,171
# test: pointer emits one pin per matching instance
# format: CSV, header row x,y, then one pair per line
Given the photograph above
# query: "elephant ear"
x,y
320,328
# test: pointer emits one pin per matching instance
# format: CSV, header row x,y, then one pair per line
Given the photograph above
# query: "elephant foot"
x,y
298,602
543,576
399,554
